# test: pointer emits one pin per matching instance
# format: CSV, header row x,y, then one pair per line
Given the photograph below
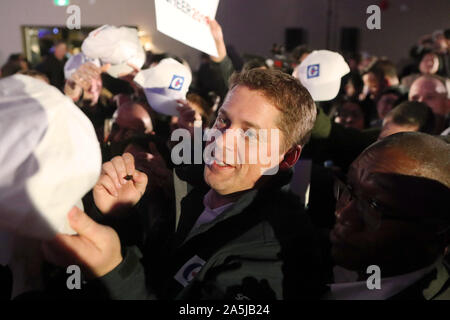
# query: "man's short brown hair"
x,y
286,93
387,67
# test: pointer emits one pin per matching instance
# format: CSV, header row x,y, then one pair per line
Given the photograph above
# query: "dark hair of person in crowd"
x,y
408,116
148,59
349,113
35,74
201,106
153,58
428,62
299,53
422,53
16,57
10,68
413,113
353,59
16,62
60,41
376,69
395,91
389,70
298,110
352,85
375,88
255,64
447,34
389,98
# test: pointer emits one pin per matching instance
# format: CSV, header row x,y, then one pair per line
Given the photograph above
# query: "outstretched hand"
x,y
95,248
82,78
217,34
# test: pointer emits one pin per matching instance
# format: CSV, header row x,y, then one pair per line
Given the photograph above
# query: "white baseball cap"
x,y
77,61
165,83
116,46
49,158
321,74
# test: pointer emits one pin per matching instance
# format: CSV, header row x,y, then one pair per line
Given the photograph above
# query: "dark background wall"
x,y
252,26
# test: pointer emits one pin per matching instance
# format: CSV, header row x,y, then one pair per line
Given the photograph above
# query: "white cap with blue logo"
x,y
321,74
165,83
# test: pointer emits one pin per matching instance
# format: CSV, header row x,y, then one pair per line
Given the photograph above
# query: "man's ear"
x,y
291,157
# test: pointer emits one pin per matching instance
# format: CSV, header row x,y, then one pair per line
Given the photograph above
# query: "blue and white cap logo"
x,y
176,83
189,270
313,71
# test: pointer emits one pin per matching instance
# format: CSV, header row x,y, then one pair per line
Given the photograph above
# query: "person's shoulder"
x,y
43,64
433,285
371,133
441,284
280,200
284,216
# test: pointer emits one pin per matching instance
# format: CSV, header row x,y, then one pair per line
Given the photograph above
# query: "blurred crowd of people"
x,y
363,180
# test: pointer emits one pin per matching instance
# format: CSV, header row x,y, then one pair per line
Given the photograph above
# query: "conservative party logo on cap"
x,y
313,71
189,270
176,83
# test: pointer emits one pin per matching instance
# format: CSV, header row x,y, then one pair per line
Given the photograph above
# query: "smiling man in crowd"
x,y
242,236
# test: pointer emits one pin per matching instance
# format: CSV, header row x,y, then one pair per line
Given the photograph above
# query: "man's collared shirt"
x,y
209,214
358,290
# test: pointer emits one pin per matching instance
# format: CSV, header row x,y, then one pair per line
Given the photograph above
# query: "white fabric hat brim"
x,y
119,70
162,104
325,91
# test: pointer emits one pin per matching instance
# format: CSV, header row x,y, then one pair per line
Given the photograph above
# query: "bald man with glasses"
x,y
392,215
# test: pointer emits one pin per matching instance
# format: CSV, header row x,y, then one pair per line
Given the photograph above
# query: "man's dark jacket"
x,y
263,247
54,70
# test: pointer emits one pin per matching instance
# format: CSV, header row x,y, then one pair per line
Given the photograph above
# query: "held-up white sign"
x,y
186,21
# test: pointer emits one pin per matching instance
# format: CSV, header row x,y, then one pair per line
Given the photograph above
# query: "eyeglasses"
x,y
373,211
370,209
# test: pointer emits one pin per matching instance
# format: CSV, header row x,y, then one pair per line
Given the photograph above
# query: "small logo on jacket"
x,y
189,270
176,83
313,71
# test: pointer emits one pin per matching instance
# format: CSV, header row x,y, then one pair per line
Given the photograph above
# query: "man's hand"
x,y
113,191
84,74
96,248
82,78
217,34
